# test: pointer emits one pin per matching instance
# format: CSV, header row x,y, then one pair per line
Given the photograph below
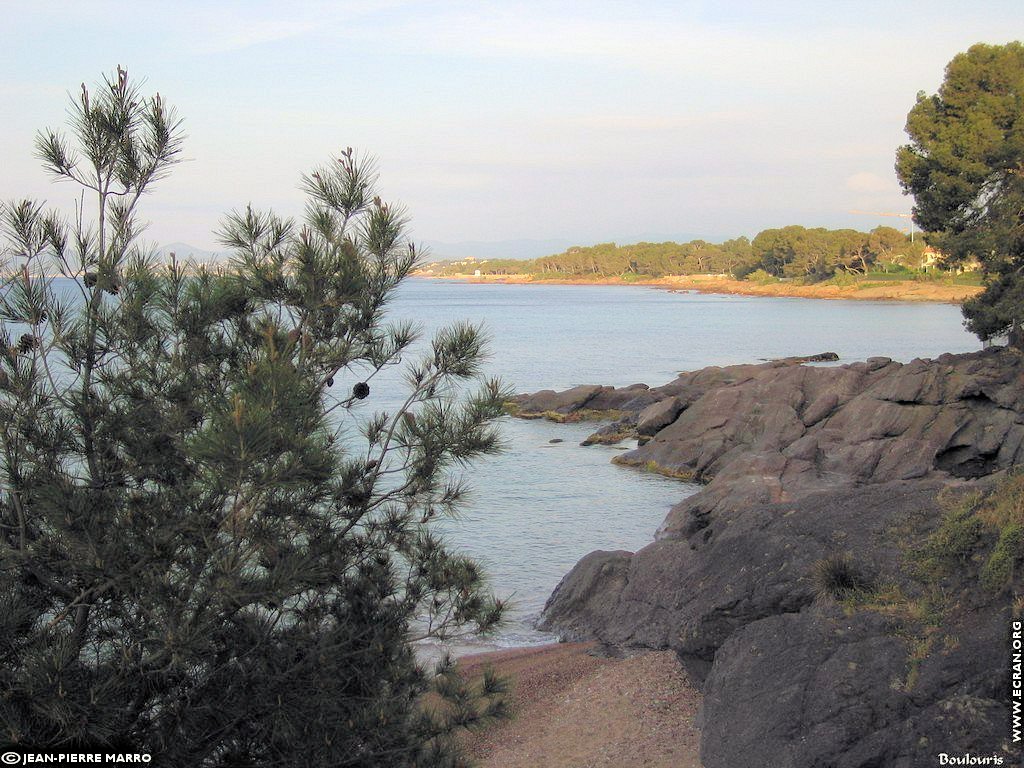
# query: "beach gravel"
x,y
572,709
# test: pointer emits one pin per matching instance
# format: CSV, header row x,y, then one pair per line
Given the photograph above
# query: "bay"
x,y
540,506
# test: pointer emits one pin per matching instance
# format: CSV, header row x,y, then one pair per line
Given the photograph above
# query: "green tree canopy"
x,y
793,251
965,168
211,549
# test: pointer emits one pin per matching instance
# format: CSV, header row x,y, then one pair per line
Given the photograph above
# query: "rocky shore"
x,y
842,588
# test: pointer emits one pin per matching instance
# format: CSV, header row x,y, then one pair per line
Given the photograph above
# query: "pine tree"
x,y
210,549
965,168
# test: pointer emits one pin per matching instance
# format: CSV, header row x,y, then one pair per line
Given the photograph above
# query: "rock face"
x,y
584,401
802,463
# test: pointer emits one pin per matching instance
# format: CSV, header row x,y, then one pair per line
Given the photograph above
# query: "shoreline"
x,y
571,708
895,290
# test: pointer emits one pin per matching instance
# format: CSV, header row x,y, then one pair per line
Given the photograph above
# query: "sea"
x,y
544,502
539,506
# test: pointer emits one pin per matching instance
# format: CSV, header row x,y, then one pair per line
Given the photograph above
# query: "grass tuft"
x,y
838,577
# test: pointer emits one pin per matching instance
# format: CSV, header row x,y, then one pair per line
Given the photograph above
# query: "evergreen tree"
x,y
206,553
965,168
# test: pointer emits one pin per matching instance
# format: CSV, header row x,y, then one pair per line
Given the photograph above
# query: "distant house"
x,y
931,257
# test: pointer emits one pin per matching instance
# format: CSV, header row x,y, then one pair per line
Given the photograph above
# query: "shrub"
x,y
955,540
843,279
761,277
987,528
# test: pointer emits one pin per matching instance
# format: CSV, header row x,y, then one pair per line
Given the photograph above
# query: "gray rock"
x,y
615,432
628,398
827,687
710,574
659,415
821,357
800,463
549,401
836,706
862,423
582,400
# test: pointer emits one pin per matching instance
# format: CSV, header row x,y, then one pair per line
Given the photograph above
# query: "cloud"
x,y
658,123
227,27
253,32
869,182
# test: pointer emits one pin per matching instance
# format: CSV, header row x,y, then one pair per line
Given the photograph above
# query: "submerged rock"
x,y
821,357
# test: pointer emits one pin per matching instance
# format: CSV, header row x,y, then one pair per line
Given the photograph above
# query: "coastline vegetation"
x,y
790,262
790,253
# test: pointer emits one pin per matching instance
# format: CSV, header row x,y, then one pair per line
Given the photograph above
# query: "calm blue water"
x,y
560,335
539,507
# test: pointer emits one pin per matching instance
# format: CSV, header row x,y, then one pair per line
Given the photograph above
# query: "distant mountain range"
x,y
501,249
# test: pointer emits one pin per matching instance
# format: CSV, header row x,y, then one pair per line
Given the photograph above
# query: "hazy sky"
x,y
582,121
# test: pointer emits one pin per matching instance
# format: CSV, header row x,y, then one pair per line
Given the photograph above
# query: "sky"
x,y
574,122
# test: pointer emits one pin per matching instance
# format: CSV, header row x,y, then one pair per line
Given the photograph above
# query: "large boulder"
x,y
583,401
804,464
805,689
628,403
659,415
827,687
548,401
691,590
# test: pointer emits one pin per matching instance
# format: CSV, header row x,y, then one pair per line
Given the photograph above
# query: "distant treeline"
x,y
794,251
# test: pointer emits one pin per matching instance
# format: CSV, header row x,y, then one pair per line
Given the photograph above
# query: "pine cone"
x,y
27,342
361,390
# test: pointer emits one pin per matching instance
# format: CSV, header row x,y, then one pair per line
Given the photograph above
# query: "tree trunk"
x,y
1015,338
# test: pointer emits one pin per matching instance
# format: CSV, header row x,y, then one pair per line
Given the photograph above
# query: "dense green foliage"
x,y
965,168
794,251
206,553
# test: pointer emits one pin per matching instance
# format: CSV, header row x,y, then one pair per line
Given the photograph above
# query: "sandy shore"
x,y
574,710
896,290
